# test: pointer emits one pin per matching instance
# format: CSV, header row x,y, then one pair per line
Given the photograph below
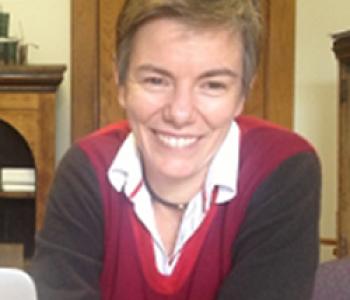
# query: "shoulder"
x,y
262,140
266,147
265,134
102,145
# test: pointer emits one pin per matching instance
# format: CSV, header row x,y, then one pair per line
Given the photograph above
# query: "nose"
x,y
180,110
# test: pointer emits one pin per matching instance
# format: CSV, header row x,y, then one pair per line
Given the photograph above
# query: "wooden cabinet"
x,y
341,48
27,103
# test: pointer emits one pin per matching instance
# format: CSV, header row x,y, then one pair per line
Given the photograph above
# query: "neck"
x,y
171,205
176,191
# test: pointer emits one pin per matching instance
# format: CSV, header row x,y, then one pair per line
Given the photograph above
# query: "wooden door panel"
x,y
110,111
85,70
279,70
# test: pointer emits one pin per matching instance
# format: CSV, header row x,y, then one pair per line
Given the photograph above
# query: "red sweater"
x,y
129,269
262,245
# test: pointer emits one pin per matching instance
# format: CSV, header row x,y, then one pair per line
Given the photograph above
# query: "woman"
x,y
185,200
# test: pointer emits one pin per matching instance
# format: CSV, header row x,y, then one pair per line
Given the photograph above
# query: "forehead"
x,y
163,38
169,27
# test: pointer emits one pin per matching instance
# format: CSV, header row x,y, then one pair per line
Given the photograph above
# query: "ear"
x,y
121,96
240,106
120,87
252,82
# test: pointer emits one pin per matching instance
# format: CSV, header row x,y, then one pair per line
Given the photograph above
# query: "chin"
x,y
177,171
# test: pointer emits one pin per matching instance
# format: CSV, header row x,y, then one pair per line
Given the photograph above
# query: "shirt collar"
x,y
223,171
125,172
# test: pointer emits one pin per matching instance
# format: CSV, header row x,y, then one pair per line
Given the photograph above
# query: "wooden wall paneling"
x,y
279,75
110,111
85,67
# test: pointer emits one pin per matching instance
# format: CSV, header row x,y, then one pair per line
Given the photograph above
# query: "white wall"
x,y
47,24
316,93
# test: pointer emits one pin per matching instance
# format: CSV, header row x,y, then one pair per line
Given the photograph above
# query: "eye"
x,y
214,87
155,82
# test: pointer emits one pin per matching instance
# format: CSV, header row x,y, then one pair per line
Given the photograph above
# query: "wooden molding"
x,y
328,242
25,196
341,46
31,78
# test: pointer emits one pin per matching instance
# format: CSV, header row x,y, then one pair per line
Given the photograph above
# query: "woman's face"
x,y
183,88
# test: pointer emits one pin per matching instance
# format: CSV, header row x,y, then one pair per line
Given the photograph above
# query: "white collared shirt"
x,y
125,174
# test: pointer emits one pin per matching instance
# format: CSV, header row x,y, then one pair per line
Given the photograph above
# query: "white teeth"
x,y
175,142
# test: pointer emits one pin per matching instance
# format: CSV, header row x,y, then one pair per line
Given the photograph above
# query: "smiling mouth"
x,y
177,142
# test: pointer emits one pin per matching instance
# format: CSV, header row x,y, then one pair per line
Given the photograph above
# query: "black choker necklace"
x,y
176,206
155,198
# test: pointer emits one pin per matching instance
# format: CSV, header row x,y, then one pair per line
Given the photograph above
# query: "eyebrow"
x,y
206,74
152,68
220,72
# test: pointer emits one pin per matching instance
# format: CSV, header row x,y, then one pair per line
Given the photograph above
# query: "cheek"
x,y
137,107
135,115
141,106
219,114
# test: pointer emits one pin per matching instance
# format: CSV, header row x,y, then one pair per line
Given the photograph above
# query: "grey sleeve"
x,y
69,248
276,253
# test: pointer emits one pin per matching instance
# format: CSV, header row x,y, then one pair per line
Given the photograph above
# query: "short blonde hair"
x,y
240,16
